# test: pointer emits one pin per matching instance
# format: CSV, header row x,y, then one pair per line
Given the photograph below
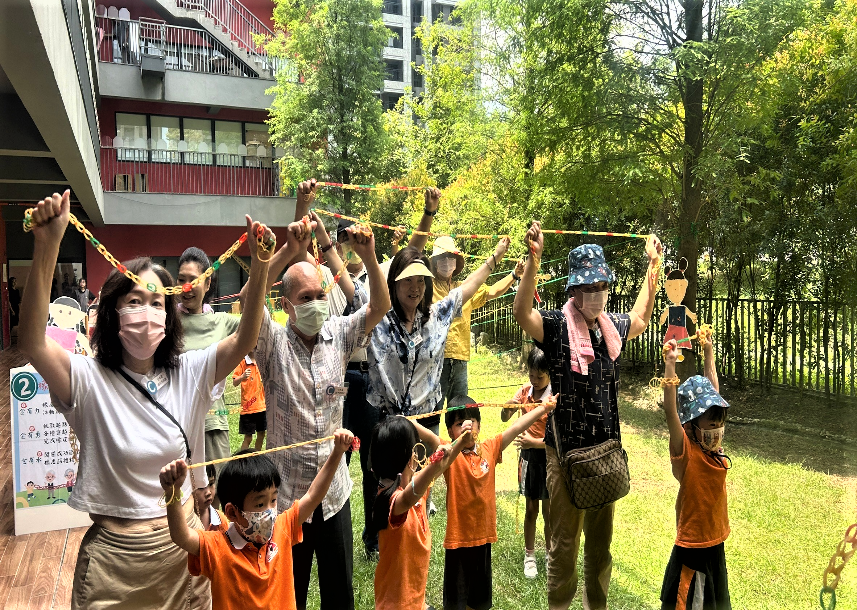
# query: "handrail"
x,y
238,21
184,49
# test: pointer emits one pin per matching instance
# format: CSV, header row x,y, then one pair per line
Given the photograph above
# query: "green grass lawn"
x,y
786,518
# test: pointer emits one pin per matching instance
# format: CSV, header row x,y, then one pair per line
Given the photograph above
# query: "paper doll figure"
x,y
50,477
31,491
67,326
69,480
675,287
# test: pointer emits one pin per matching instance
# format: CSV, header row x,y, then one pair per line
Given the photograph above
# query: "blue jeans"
x,y
453,380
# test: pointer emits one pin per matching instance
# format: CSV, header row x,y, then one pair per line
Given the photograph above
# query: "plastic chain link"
x,y
168,290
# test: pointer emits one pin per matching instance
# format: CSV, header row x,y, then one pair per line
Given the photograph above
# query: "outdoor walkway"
x,y
36,570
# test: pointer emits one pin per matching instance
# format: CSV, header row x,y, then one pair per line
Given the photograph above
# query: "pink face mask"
x,y
141,330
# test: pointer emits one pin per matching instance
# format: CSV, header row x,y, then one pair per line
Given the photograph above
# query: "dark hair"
x,y
403,258
538,360
390,450
241,477
451,418
195,255
211,473
30,483
718,416
105,338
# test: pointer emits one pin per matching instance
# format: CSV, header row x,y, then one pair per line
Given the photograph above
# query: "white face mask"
x,y
591,304
310,317
445,267
260,526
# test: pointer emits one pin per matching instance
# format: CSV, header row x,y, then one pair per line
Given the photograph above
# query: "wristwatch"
x,y
427,213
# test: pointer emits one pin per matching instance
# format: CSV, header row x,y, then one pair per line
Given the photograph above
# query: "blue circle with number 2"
x,y
24,386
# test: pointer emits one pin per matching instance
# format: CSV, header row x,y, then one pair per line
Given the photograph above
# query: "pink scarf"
x,y
579,344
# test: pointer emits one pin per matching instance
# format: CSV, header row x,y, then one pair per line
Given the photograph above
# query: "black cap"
x,y
343,224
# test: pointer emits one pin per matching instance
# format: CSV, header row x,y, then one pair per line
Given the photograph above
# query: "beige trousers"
x,y
566,524
140,571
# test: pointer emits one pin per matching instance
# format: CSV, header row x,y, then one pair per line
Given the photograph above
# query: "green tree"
x,y
327,114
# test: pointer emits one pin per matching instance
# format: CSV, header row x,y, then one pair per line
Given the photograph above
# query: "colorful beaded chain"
x,y
409,231
371,187
167,290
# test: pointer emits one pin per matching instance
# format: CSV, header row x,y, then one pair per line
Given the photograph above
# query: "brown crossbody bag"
x,y
595,476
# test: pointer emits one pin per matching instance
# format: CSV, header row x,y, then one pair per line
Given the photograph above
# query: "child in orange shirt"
x,y
696,573
212,519
532,462
399,512
471,505
253,419
250,564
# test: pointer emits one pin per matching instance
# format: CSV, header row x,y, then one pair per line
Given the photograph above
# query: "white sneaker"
x,y
432,508
530,569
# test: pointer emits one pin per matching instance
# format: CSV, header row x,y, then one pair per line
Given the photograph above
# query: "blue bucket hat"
x,y
695,396
586,265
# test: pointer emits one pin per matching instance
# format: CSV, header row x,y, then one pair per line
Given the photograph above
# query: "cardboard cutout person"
x,y
676,286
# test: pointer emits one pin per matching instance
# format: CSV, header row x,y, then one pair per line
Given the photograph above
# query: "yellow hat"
x,y
417,267
445,245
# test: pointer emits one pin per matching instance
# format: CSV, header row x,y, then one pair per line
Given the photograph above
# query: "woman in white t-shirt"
x,y
126,558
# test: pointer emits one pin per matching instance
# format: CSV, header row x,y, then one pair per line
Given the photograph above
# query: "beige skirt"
x,y
138,571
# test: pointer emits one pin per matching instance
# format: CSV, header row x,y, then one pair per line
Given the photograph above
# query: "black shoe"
x,y
371,554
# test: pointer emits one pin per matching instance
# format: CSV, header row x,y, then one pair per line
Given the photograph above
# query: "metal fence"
x,y
807,345
184,49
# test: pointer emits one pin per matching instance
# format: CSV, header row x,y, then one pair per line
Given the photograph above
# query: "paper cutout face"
x,y
50,476
67,326
675,290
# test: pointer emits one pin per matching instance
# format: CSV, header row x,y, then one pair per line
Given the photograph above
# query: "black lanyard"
x,y
160,408
405,402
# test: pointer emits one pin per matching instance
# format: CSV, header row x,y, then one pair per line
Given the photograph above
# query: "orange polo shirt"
x,y
702,519
524,397
252,392
471,501
404,548
245,576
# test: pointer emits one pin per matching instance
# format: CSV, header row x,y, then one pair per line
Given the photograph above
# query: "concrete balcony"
x,y
150,60
125,81
162,186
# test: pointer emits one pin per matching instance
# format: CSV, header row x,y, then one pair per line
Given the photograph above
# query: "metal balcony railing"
x,y
237,21
185,49
159,167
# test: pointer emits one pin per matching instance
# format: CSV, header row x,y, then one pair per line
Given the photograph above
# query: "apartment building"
x,y
403,51
153,113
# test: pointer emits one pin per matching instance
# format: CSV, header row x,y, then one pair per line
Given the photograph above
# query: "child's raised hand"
x,y
466,429
525,440
550,404
173,474
342,439
671,351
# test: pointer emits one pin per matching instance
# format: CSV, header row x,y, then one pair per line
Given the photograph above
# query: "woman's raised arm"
x,y
50,219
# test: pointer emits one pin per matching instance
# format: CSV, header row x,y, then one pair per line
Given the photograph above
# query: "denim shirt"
x,y
404,368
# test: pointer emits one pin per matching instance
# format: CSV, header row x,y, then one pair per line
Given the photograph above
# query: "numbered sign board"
x,y
43,470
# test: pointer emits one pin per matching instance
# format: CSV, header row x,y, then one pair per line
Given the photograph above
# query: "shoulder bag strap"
x,y
160,408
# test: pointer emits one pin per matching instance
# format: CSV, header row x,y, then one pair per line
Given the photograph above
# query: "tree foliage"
x,y
327,114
